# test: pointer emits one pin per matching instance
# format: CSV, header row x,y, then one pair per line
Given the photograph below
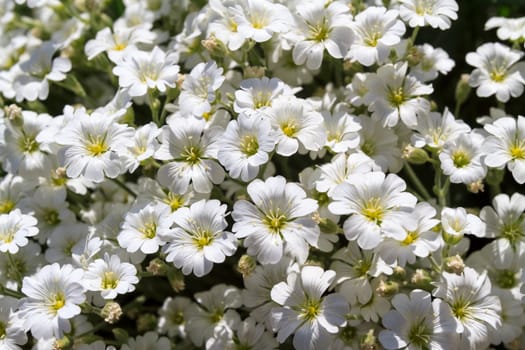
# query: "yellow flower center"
x,y
275,221
310,309
498,75
202,238
6,206
51,217
372,39
373,210
289,127
119,47
174,200
192,154
368,148
411,237
109,280
460,159
397,96
517,150
319,32
249,145
56,302
262,99
149,230
96,145
28,144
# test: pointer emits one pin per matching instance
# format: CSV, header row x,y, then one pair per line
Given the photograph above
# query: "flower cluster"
x,y
253,174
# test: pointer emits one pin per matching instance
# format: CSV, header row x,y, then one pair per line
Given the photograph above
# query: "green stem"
x,y
415,180
124,187
11,293
414,36
457,108
154,106
434,264
17,273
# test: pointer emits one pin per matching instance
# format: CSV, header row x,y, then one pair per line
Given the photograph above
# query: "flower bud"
x,y
476,187
415,155
13,113
454,264
176,279
254,72
146,322
62,343
421,278
111,312
369,342
246,265
462,89
387,288
399,273
157,267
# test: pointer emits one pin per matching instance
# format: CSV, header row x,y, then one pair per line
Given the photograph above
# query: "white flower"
x,y
497,71
298,127
456,222
93,146
150,340
215,312
259,19
25,262
380,144
245,146
508,28
476,311
248,335
139,71
377,31
462,158
142,147
12,335
420,239
278,222
504,219
171,316
193,151
435,129
33,83
118,43
258,286
433,61
53,297
198,89
375,202
110,276
394,95
355,268
143,227
21,151
223,24
321,27
15,227
341,131
506,146
198,239
340,169
417,322
305,311
257,95
434,13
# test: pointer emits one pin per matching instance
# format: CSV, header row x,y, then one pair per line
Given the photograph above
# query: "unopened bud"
x,y
62,343
463,89
415,55
146,322
387,288
454,264
157,267
495,176
369,342
421,278
399,273
415,155
111,312
451,238
180,80
176,279
214,46
476,187
254,72
246,265
13,113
